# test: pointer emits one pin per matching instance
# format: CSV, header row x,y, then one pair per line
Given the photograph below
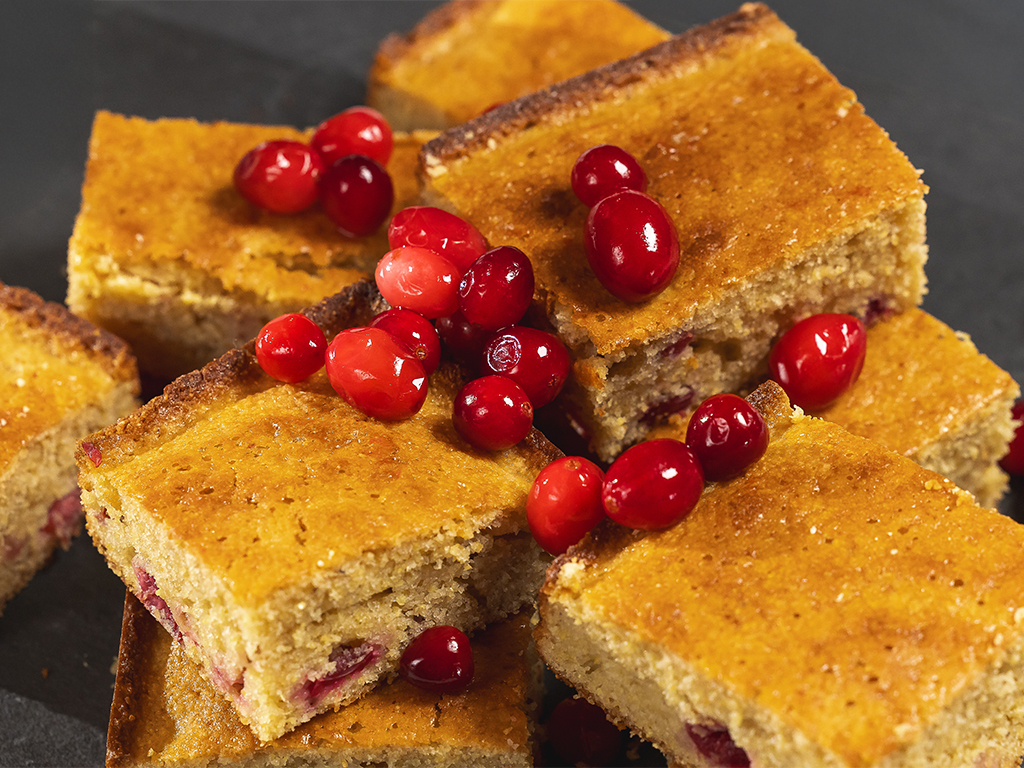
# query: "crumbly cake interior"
x,y
834,606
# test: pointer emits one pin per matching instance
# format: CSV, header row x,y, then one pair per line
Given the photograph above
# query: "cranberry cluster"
x,y
342,167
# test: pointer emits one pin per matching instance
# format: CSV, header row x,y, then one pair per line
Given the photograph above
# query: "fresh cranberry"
x,y
728,434
357,194
582,734
565,502
653,485
535,360
497,288
492,413
376,374
1013,461
438,659
464,341
93,453
715,744
442,232
414,332
356,131
632,245
604,170
819,358
291,348
279,176
419,279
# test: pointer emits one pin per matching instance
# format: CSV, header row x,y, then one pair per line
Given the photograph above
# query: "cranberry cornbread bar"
x,y
166,714
425,79
61,379
169,256
294,545
835,605
788,200
927,393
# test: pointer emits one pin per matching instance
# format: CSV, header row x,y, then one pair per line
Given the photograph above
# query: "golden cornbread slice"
x,y
295,545
166,714
169,256
835,605
61,379
787,198
469,55
925,392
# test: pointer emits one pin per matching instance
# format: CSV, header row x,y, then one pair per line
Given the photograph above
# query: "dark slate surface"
x,y
944,77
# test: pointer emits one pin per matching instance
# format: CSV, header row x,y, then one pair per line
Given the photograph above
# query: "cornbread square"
x,y
294,545
469,55
927,393
166,714
61,379
169,256
835,605
788,200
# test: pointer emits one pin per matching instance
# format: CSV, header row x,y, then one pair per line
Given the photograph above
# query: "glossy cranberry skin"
x,y
356,131
653,485
728,434
438,659
420,280
280,176
373,372
442,232
464,341
291,348
819,358
497,288
1013,461
356,194
582,734
492,413
536,360
414,332
632,245
604,170
565,502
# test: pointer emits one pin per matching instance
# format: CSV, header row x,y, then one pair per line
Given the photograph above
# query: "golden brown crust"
x,y
138,630
396,47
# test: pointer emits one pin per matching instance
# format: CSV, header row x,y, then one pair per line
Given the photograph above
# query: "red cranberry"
x,y
1013,461
653,485
582,734
661,410
604,170
728,434
464,341
492,413
819,358
632,245
357,194
535,360
356,131
565,502
414,332
715,744
279,176
347,662
291,348
439,659
442,232
420,280
497,288
376,374
93,453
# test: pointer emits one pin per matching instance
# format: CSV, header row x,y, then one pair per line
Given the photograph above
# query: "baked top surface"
x,y
836,584
523,45
54,364
158,195
164,704
751,145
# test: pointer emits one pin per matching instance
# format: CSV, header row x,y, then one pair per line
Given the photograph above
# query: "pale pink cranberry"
x,y
1013,461
438,659
536,360
582,734
492,413
64,518
291,348
356,193
280,176
356,131
414,332
439,231
819,358
661,410
374,373
653,485
93,453
565,502
715,745
347,662
419,279
632,245
728,434
604,170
